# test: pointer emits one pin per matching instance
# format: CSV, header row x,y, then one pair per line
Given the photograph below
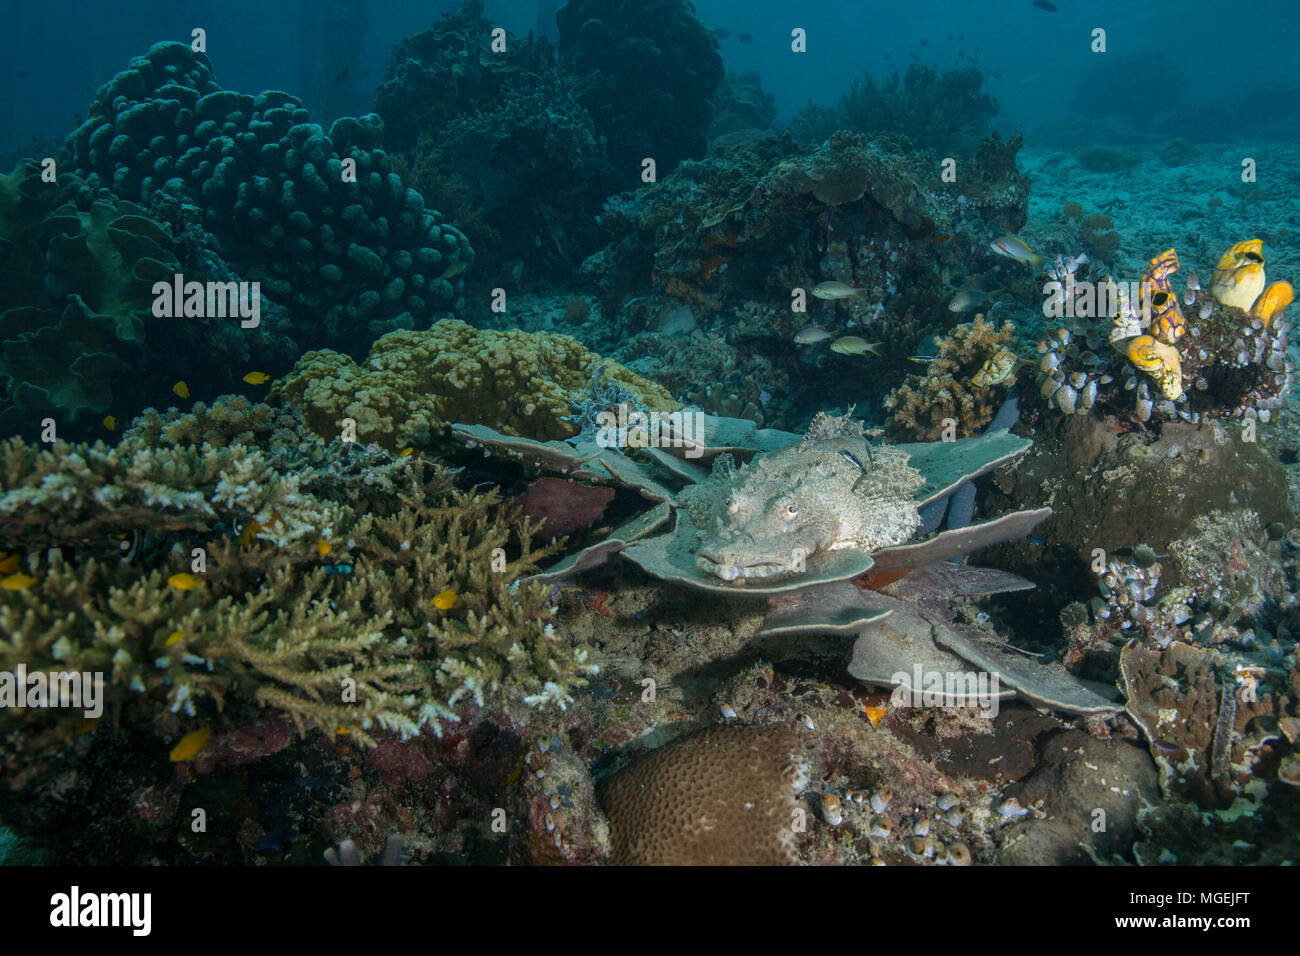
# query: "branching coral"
x,y
322,606
948,390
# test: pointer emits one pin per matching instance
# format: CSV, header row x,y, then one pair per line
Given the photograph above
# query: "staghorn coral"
x,y
725,796
921,404
271,621
416,383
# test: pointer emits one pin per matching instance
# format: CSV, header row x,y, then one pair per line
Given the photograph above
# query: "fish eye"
x,y
791,511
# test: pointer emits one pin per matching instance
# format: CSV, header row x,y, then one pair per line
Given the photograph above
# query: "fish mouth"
x,y
738,557
729,569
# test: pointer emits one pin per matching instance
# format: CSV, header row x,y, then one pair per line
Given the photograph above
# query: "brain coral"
x,y
341,255
726,796
416,383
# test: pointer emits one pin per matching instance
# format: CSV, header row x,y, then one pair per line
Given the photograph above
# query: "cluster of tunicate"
x,y
1128,591
341,254
1073,369
1217,353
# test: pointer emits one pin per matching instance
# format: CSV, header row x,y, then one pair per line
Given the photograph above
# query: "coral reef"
x,y
1226,585
1088,474
79,337
741,103
414,384
920,406
650,69
936,111
340,253
1224,358
761,217
1206,735
448,71
532,169
314,595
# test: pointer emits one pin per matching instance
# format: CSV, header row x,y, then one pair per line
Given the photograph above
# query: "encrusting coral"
x,y
948,390
356,592
414,384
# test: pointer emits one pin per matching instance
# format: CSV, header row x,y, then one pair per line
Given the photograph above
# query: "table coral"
x,y
416,383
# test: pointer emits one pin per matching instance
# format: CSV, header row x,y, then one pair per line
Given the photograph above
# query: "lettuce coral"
x,y
414,384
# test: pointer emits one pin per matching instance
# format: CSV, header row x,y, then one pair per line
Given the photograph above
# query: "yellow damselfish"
x,y
183,581
323,547
256,378
109,422
404,452
189,746
175,637
445,600
181,389
17,582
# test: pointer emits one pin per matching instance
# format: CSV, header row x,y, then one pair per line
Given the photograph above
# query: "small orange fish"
x,y
875,714
250,532
175,637
323,547
405,452
189,746
109,422
183,581
256,378
181,389
445,601
17,582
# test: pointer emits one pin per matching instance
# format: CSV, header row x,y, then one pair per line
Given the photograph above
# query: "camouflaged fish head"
x,y
831,491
